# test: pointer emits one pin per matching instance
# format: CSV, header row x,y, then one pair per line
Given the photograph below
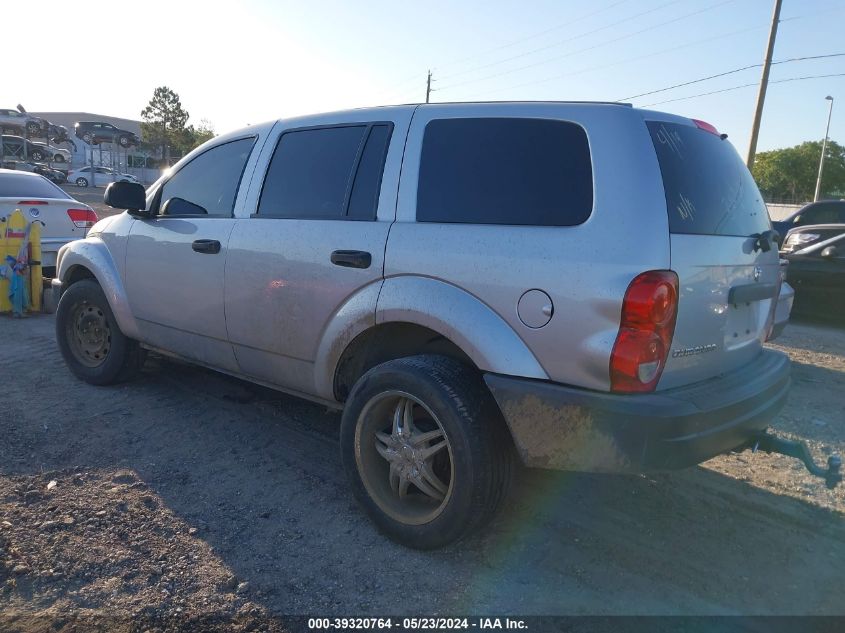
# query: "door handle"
x,y
212,247
352,259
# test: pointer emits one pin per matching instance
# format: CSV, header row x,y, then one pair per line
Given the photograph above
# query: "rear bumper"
x,y
565,428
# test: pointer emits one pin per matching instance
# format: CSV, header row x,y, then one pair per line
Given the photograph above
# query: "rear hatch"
x,y
728,283
61,217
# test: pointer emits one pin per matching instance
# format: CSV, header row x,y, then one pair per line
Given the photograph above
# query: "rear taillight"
x,y
645,332
707,127
82,218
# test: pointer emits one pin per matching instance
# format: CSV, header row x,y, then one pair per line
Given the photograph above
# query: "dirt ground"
x,y
187,494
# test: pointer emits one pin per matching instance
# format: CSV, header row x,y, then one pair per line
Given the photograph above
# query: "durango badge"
x,y
694,351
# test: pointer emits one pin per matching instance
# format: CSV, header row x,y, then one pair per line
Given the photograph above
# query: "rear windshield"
x,y
709,191
21,186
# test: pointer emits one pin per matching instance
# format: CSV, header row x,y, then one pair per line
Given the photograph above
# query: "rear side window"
x,y
209,183
505,171
19,186
709,190
326,173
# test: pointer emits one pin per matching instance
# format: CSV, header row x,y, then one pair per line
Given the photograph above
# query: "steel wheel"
x,y
89,334
404,457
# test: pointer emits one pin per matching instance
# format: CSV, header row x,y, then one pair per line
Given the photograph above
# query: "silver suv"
x,y
586,283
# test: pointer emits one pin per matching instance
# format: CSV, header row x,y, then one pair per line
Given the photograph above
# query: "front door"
x,y
316,239
175,261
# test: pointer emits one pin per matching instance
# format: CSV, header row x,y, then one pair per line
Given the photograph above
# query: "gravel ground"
x,y
188,495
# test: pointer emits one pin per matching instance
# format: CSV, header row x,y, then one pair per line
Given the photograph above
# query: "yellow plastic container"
x,y
12,235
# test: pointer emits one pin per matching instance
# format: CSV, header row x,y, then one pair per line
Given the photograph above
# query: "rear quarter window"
x,y
505,171
709,190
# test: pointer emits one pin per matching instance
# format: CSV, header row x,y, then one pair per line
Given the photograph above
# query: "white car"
x,y
54,154
63,218
102,176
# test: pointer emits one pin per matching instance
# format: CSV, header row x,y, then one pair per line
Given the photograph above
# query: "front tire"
x,y
90,340
426,450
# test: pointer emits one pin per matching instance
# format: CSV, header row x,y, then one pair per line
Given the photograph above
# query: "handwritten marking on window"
x,y
686,209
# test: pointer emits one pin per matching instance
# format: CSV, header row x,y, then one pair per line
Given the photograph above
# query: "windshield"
x,y
709,191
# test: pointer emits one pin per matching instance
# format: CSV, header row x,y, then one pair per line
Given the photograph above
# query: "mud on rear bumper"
x,y
565,428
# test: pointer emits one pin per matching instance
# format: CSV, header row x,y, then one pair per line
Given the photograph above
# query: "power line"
x,y
730,72
622,61
529,37
714,92
612,41
558,43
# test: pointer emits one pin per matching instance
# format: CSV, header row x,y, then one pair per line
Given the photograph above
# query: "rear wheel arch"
x,y
390,341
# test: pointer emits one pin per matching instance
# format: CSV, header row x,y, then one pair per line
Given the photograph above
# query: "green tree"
x,y
790,173
164,120
190,137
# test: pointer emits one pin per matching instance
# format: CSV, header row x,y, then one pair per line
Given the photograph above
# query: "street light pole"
x,y
824,148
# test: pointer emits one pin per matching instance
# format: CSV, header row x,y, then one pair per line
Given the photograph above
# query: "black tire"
x,y
81,182
59,158
88,138
37,155
33,129
123,357
480,447
123,141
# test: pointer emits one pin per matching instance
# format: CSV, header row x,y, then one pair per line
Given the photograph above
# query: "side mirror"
x,y
830,251
126,195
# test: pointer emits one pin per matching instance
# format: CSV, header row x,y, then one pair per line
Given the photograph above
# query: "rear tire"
x,y
450,415
90,340
81,182
37,155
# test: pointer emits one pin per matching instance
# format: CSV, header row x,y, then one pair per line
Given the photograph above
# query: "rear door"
x,y
322,211
728,283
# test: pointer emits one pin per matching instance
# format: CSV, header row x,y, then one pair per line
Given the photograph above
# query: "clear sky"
x,y
242,62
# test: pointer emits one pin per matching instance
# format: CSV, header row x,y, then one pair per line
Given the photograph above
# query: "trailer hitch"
x,y
770,443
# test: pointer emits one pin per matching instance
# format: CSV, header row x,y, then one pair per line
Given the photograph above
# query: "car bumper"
x,y
566,428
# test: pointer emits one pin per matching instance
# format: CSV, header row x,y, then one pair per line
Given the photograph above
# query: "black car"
x,y
13,146
96,132
823,212
816,270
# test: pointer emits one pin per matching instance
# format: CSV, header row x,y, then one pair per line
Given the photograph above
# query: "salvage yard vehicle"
x,y
63,219
54,154
16,122
816,256
102,176
21,148
585,285
96,132
822,212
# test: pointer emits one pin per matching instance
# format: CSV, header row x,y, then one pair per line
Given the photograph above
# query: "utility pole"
x,y
824,147
764,83
428,87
